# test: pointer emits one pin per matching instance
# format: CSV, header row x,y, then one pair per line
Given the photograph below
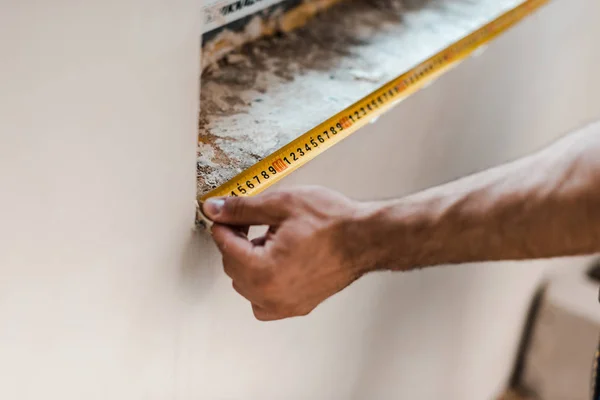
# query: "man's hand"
x,y
544,205
304,257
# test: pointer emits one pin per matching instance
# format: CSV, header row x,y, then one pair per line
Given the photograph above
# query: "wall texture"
x,y
105,292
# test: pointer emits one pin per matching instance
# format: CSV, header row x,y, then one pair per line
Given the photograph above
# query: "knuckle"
x,y
261,315
258,314
303,313
293,312
264,318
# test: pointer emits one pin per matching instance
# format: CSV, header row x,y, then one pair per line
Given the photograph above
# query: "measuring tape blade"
x,y
298,152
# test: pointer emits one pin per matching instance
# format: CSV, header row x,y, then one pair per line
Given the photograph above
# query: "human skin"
x,y
544,205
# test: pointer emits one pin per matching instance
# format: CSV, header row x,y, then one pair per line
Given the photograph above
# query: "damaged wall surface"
x,y
271,91
233,25
106,292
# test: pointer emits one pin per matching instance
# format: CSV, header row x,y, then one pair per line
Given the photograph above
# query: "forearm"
x,y
544,205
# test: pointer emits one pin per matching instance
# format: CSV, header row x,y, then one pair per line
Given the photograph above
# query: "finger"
x,y
263,314
235,269
233,244
242,291
269,209
230,267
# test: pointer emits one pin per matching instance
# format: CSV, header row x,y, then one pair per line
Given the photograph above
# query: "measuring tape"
x,y
290,157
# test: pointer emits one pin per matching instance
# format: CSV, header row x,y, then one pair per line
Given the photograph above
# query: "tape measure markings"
x,y
299,151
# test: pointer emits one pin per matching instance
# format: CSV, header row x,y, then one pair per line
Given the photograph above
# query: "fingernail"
x,y
213,207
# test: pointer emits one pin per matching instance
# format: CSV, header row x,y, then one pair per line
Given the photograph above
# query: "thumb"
x,y
258,210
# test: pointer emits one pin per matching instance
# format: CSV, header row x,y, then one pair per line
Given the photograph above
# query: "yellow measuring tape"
x,y
312,143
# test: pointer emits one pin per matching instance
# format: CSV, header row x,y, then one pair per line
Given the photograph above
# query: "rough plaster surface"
x,y
282,16
106,294
273,90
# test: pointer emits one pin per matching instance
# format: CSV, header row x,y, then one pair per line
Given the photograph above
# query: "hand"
x,y
307,254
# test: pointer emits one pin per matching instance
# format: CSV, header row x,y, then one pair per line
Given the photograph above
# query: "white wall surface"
x,y
105,292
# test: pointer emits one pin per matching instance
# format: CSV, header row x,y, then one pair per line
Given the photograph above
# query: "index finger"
x,y
233,243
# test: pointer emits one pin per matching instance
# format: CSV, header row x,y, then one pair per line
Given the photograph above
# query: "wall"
x,y
105,292
97,166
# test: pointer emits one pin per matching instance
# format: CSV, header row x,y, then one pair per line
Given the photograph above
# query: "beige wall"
x,y
105,293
